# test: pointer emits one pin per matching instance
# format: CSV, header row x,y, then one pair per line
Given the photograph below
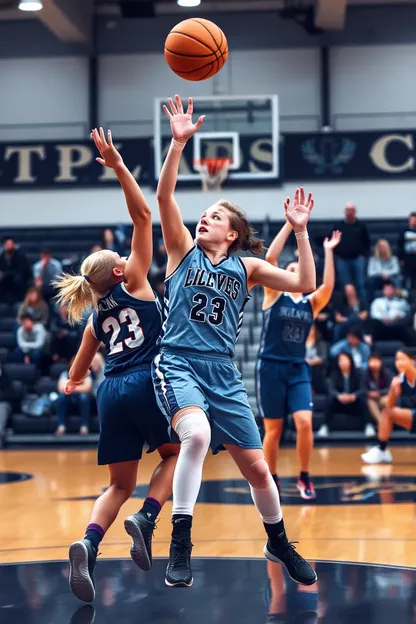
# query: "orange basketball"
x,y
196,49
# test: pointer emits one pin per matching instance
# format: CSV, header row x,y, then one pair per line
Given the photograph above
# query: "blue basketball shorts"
x,y
283,388
213,383
129,417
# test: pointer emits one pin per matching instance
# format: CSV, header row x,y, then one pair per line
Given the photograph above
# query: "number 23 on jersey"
x,y
112,324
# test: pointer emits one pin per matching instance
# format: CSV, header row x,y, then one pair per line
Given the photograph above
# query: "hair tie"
x,y
86,278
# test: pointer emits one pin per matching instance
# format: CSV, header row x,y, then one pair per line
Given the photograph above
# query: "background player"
x,y
197,384
400,409
127,320
283,376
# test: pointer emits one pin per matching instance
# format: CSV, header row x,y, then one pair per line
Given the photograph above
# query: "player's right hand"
x,y
181,123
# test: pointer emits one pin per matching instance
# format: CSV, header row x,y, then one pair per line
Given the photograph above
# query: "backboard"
x,y
243,128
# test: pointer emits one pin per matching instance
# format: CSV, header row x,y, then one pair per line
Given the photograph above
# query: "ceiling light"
x,y
30,5
189,3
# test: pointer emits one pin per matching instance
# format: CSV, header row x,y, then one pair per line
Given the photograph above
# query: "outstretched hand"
x,y
331,243
298,213
181,123
110,157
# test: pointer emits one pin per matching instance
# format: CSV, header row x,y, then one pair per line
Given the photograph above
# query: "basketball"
x,y
196,49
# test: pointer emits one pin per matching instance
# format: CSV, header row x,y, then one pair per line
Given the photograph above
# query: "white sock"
x,y
267,501
194,432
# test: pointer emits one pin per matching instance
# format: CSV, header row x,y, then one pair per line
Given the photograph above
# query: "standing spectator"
x,y
354,346
352,251
15,273
80,398
31,339
346,394
390,317
407,249
377,381
34,305
382,266
65,337
316,356
45,271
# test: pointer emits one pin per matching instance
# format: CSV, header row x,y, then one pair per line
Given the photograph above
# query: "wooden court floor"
x,y
362,515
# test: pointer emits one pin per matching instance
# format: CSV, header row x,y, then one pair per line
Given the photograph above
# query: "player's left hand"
x,y
331,243
70,386
298,213
110,157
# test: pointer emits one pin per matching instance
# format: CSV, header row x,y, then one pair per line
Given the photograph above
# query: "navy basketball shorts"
x,y
213,383
129,417
283,388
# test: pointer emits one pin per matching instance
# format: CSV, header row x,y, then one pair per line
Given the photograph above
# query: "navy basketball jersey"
x,y
129,329
286,326
408,395
204,304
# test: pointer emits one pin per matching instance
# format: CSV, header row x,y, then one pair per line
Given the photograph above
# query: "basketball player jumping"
x,y
127,320
198,386
400,409
283,376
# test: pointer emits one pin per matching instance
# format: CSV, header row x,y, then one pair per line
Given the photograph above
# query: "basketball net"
x,y
213,172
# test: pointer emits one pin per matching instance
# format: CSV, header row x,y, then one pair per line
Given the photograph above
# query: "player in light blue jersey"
x,y
282,373
127,320
197,384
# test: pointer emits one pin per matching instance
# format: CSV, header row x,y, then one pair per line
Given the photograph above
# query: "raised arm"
x,y
178,240
140,258
321,297
263,273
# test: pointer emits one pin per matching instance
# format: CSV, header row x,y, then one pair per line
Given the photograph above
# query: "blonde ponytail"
x,y
82,292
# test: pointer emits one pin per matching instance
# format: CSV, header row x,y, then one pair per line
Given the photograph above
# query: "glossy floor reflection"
x,y
225,591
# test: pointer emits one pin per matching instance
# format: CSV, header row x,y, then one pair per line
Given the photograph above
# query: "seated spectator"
x,y
382,267
45,272
113,241
97,372
406,248
377,381
316,356
390,317
349,313
354,346
34,305
15,273
80,398
65,337
346,394
31,339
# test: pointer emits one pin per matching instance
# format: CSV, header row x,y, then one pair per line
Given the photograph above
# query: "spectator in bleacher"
x,y
349,313
351,253
382,267
377,381
390,317
15,273
157,271
34,305
97,370
316,357
355,346
65,337
31,339
80,399
45,271
407,250
346,394
112,242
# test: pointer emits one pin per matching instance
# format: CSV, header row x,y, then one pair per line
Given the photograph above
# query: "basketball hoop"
x,y
213,172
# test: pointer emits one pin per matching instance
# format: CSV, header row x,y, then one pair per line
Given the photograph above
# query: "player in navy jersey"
x,y
198,386
400,409
282,374
127,320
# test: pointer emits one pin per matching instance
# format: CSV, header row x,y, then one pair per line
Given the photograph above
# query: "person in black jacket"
x,y
15,272
406,248
346,393
352,251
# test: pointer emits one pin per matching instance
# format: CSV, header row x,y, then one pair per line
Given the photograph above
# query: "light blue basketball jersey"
x,y
204,304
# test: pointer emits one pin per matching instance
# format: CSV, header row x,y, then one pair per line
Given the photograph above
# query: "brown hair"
x,y
40,303
246,241
83,291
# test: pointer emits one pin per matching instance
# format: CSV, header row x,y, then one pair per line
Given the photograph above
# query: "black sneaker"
x,y
140,530
179,572
298,568
82,558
